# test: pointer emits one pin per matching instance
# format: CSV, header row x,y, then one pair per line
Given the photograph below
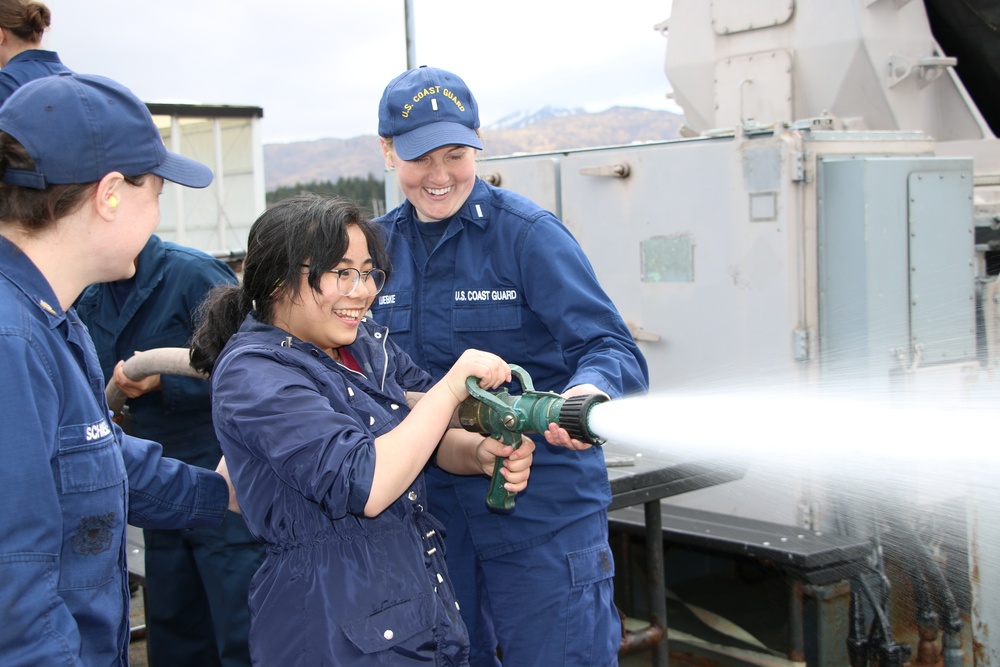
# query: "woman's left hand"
x,y
516,468
557,435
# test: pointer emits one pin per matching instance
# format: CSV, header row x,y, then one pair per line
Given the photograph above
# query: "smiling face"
x,y
326,318
438,183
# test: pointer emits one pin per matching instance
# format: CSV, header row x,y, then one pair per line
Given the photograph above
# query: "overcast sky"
x,y
318,67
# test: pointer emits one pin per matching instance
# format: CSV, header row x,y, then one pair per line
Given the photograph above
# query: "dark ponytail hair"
x,y
304,229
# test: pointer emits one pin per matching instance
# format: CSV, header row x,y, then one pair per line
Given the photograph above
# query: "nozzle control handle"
x,y
506,418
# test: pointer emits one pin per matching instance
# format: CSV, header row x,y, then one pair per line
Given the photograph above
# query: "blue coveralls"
x,y
28,66
507,277
298,431
197,579
70,480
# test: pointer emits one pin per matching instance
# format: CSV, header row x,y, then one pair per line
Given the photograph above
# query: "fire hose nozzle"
x,y
507,417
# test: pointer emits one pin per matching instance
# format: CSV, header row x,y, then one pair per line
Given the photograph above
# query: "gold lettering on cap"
x,y
428,92
454,98
433,90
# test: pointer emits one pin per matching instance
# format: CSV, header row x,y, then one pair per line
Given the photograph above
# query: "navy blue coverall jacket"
x,y
507,277
298,432
71,479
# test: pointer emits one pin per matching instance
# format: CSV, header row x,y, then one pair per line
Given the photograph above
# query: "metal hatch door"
x,y
896,263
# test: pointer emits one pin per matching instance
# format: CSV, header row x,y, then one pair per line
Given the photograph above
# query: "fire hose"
x,y
499,414
163,361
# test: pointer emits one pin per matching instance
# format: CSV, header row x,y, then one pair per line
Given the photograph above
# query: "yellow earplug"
x,y
113,201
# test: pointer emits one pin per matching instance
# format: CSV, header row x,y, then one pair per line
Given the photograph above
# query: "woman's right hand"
x,y
134,388
491,370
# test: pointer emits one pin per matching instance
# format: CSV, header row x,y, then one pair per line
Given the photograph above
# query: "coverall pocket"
x,y
89,458
591,565
486,317
593,636
490,326
394,310
389,627
92,472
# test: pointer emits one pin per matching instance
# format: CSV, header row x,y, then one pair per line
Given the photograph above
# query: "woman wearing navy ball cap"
x,y
479,266
81,170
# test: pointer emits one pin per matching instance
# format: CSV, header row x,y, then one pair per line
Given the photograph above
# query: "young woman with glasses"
x,y
309,403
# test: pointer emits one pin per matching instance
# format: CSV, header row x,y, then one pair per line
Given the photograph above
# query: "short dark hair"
x,y
35,210
304,229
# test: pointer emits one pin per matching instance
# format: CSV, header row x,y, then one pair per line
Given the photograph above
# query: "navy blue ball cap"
x,y
426,108
78,128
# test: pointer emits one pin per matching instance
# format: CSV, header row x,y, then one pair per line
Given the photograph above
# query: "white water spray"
x,y
933,444
774,425
873,463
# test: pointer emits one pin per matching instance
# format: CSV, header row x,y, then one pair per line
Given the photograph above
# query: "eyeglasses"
x,y
348,279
